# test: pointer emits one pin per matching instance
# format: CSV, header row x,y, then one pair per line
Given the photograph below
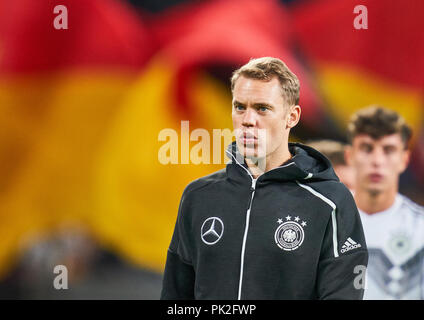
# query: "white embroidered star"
x,y
288,218
280,221
296,219
303,224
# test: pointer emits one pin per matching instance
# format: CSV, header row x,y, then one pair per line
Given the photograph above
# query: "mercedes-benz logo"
x,y
212,230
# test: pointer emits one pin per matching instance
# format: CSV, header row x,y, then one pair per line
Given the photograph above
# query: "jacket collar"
x,y
306,164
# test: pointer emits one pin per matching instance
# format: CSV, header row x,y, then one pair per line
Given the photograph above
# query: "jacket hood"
x,y
306,164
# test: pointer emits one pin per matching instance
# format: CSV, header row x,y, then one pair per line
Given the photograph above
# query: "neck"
x,y
258,166
373,202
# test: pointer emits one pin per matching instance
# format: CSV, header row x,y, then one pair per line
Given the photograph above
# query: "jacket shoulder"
x,y
205,181
333,192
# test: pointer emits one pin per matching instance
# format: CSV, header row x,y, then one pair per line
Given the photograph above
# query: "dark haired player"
x,y
393,224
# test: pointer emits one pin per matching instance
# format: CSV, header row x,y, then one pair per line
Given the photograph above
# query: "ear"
x,y
293,116
348,155
406,157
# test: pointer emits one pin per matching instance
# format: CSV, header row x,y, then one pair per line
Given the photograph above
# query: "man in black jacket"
x,y
276,223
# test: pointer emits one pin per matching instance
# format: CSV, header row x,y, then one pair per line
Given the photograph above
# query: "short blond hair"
x,y
266,68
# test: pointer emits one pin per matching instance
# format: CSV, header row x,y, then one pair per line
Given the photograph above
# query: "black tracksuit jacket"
x,y
294,233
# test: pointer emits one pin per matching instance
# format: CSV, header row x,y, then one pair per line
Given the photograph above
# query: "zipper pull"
x,y
252,188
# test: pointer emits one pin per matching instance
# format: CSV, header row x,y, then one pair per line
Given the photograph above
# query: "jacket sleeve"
x,y
344,255
179,276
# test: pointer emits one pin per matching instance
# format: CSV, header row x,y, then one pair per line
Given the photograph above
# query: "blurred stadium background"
x,y
81,110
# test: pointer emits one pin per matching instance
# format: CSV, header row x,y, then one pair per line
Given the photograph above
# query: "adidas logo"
x,y
349,245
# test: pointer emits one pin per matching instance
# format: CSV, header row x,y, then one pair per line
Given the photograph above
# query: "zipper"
x,y
246,230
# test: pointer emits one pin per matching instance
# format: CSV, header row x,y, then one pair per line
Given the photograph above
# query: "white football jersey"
x,y
395,240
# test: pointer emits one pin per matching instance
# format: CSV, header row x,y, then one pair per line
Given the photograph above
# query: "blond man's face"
x,y
259,115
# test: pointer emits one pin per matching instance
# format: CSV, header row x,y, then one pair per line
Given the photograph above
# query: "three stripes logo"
x,y
349,245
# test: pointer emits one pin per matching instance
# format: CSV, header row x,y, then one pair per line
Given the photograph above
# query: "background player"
x,y
335,152
393,224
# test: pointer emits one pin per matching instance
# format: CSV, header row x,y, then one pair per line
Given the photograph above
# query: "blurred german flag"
x,y
382,65
81,109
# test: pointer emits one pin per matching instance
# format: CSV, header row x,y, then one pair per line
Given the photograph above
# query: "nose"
x,y
249,118
377,157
